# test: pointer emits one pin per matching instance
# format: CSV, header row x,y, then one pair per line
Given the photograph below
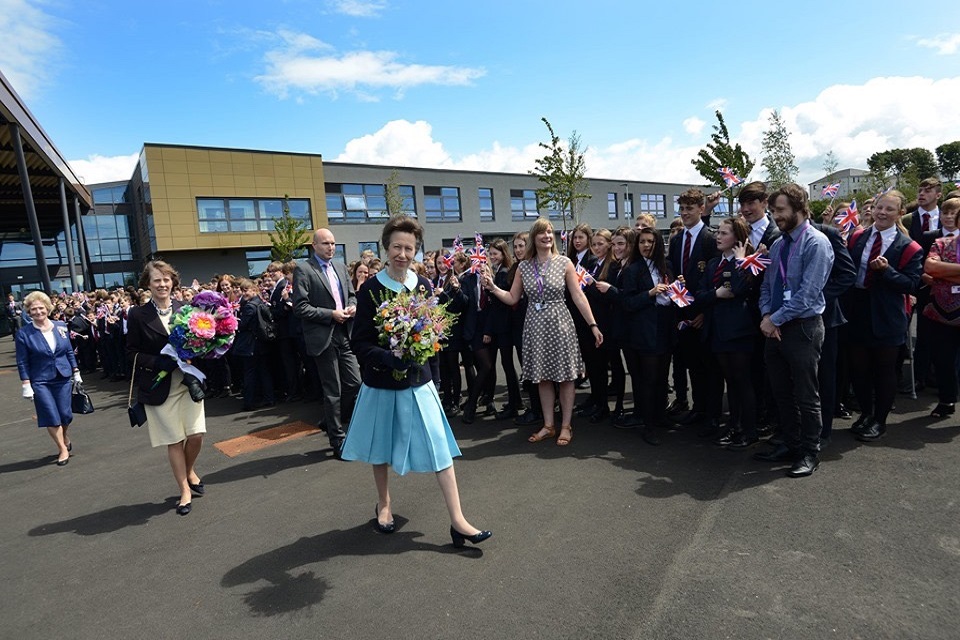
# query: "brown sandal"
x,y
566,435
548,432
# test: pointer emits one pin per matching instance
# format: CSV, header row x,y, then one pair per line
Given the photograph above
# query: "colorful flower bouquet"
x,y
412,326
204,329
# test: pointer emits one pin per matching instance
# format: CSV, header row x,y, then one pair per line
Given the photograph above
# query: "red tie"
x,y
874,254
686,251
926,222
718,274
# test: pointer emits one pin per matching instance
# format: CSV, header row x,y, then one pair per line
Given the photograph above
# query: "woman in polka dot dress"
x,y
550,351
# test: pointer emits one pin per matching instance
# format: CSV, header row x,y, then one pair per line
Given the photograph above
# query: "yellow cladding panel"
x,y
263,158
181,205
182,217
177,179
175,154
198,167
285,185
245,170
176,191
184,243
241,157
222,182
263,170
197,155
265,185
184,230
201,180
302,172
221,168
219,156
157,192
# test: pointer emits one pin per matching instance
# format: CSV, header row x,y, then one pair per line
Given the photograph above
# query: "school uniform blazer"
x,y
727,319
245,342
145,338
473,320
498,316
608,309
35,362
282,310
888,287
703,250
584,332
649,326
313,303
843,274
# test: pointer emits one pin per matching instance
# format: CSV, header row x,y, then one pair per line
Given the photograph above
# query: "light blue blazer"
x,y
35,361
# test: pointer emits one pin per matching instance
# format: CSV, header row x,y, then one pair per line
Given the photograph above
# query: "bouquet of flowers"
x,y
205,328
412,326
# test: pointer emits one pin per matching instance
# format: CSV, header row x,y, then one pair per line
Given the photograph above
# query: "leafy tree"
x,y
817,207
916,164
289,236
720,153
830,164
394,199
562,173
778,158
948,159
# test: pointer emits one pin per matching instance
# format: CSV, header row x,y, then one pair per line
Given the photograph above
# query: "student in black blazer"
x,y
889,266
518,317
286,359
649,332
447,287
927,216
459,344
596,360
475,319
253,351
579,253
612,317
499,327
729,329
690,251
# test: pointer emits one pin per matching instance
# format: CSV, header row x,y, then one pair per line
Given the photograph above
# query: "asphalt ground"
x,y
605,538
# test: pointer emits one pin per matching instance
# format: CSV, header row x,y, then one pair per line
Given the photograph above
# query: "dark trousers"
x,y
827,375
741,396
947,341
510,373
484,360
613,360
648,379
257,381
696,358
450,384
595,362
286,363
340,378
874,374
793,362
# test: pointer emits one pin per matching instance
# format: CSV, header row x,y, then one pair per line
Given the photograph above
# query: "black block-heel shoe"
x,y
459,538
390,527
184,509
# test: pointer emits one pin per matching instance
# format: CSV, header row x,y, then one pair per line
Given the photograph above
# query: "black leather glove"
x,y
195,386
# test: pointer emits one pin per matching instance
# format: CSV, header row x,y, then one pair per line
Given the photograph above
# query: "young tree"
x,y
289,236
778,158
720,153
830,164
562,173
948,159
394,199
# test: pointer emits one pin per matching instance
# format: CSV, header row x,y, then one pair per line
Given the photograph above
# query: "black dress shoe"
x,y
649,436
507,412
469,415
388,527
599,416
678,406
780,453
337,445
742,442
941,411
184,509
459,538
63,463
528,418
628,421
70,446
711,429
726,437
861,423
198,488
805,466
585,409
842,412
871,432
692,418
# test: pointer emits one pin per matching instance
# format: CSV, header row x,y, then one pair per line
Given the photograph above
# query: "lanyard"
x,y
796,243
538,277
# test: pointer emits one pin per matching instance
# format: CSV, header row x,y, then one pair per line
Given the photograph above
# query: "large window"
x,y
110,195
486,204
115,279
369,246
224,215
108,237
441,204
612,206
653,203
364,202
523,204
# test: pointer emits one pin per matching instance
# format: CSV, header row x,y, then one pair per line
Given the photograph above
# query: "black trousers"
x,y
793,362
874,374
648,380
947,341
827,375
741,396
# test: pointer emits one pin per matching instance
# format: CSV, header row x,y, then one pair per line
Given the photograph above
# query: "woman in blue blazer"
x,y
47,365
889,266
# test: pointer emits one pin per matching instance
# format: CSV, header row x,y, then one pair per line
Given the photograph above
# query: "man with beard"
x,y
791,303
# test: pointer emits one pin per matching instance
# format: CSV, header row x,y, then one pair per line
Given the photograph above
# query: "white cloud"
x,y
945,43
303,63
693,125
96,168
717,103
359,8
28,49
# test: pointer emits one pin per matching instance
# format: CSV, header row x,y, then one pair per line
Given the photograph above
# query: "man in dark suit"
x,y
13,310
690,251
325,302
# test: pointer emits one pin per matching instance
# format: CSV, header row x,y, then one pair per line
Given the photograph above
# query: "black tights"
x,y
510,373
735,366
648,378
873,371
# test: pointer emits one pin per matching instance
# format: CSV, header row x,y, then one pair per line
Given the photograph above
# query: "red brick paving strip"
x,y
265,438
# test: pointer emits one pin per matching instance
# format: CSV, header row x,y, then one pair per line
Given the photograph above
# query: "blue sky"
x,y
464,84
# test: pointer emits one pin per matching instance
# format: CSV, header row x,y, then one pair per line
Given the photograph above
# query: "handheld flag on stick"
x,y
477,239
756,263
730,178
831,191
457,244
563,239
679,294
447,260
583,277
478,258
848,220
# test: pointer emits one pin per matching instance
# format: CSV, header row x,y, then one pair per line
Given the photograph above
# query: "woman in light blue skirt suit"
x,y
401,423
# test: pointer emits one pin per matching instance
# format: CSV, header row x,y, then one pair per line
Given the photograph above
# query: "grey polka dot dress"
x,y
550,350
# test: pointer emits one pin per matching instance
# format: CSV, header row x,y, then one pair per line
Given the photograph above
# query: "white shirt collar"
x,y
694,231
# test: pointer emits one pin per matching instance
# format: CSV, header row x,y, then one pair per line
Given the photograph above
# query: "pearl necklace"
x,y
162,312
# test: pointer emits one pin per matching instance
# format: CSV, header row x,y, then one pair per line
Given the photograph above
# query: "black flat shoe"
x,y
459,538
942,411
599,416
389,527
198,488
184,509
70,446
649,436
63,463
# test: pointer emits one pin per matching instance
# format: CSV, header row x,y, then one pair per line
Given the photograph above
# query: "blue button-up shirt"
x,y
810,259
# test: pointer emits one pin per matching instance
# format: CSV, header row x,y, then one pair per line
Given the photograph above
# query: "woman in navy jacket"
x,y
47,365
499,328
730,328
612,318
889,266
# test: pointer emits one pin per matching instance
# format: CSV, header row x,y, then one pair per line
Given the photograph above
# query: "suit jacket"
x,y
843,274
915,225
888,316
473,320
703,250
771,233
246,342
314,305
145,338
36,362
649,327
283,310
728,319
13,313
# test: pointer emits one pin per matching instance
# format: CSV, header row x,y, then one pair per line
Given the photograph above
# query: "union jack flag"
x,y
235,306
882,192
583,277
679,294
457,244
478,258
729,177
563,239
848,220
478,239
831,190
447,260
755,263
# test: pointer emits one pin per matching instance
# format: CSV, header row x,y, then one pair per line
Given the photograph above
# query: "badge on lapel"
x,y
702,266
62,331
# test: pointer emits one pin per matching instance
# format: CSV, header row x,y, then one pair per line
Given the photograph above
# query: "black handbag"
x,y
136,412
80,401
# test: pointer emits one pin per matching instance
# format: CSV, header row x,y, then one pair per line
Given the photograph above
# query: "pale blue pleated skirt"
x,y
405,428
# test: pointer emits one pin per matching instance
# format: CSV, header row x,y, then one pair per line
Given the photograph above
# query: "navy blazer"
x,y
649,326
727,319
473,320
498,322
145,338
246,342
888,315
36,362
283,310
843,275
703,250
608,309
